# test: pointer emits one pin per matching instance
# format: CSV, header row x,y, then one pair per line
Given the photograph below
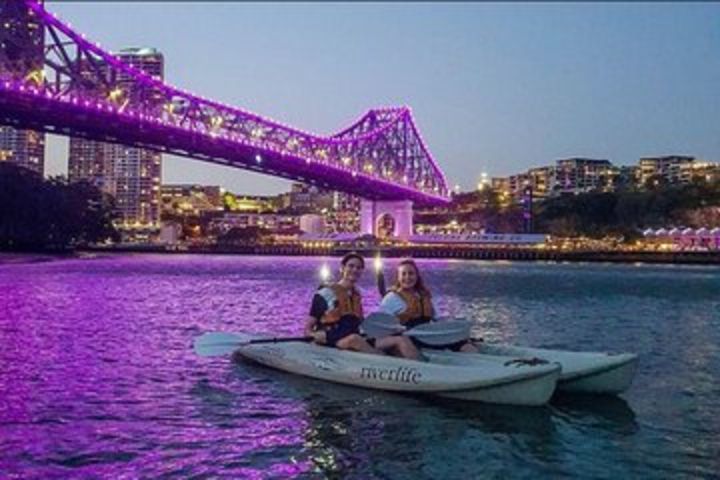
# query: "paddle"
x,y
380,324
220,343
382,289
434,333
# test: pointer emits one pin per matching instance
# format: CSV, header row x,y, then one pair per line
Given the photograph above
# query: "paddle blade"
x,y
217,343
441,333
380,324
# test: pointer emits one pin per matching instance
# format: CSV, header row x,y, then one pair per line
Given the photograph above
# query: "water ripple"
x,y
98,379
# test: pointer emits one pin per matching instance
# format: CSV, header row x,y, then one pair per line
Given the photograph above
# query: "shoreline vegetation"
x,y
53,215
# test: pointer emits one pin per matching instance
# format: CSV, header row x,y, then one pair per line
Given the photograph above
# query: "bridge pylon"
x,y
375,213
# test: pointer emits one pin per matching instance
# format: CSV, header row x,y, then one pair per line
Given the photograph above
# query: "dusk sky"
x,y
493,87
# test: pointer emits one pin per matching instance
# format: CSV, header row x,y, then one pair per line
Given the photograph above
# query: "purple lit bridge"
x,y
52,79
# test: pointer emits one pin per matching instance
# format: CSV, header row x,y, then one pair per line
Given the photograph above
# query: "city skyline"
x,y
523,96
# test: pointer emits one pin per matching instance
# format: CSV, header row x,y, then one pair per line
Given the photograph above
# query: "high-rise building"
x,y
669,168
500,184
700,170
517,183
23,147
541,181
130,174
21,56
581,175
344,215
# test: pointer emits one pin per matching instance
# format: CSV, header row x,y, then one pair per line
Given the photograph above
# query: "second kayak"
x,y
582,372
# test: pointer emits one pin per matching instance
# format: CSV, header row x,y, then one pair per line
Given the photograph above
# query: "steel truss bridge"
x,y
71,86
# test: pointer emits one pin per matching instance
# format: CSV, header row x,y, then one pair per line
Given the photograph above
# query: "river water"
x,y
98,378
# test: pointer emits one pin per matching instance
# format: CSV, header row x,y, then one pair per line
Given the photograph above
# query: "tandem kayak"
x,y
488,379
582,372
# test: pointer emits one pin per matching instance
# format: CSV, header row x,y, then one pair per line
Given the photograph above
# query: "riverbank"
x,y
469,253
12,258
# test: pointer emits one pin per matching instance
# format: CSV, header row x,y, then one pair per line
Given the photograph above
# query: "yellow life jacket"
x,y
417,305
348,303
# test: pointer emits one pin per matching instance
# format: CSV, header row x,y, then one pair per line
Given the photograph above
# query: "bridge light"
x,y
258,158
346,161
115,94
216,122
37,76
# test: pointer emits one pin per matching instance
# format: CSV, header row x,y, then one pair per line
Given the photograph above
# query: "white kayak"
x,y
586,372
488,379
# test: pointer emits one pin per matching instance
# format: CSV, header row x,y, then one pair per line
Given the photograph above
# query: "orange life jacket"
x,y
417,305
347,303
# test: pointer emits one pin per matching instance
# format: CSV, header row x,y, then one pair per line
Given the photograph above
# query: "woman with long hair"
x,y
411,302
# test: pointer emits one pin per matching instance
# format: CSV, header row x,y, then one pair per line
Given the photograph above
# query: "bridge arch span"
x,y
82,90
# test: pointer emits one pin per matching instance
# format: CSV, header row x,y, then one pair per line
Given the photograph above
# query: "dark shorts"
x,y
336,332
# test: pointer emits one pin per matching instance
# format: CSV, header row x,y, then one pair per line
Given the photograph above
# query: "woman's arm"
x,y
317,310
310,324
435,311
392,303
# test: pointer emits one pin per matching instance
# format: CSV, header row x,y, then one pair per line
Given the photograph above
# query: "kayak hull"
x,y
614,379
582,372
531,392
488,380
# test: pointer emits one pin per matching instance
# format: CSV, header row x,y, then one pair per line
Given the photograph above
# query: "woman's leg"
x,y
356,343
403,346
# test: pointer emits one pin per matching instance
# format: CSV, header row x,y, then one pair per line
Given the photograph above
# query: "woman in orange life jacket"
x,y
410,301
336,315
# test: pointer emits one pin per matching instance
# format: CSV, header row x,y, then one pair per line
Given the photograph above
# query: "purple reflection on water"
x,y
98,378
98,375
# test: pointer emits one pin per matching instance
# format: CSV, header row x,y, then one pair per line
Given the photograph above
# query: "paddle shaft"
x,y
279,340
381,283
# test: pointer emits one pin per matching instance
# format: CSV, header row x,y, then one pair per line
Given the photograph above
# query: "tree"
x,y
37,214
